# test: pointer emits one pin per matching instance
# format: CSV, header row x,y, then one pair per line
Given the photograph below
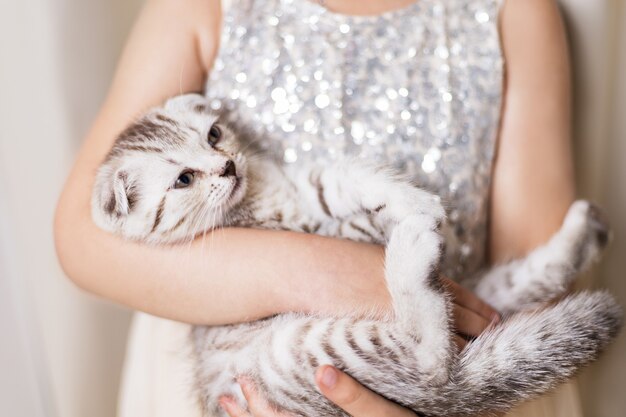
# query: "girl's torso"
x,y
419,88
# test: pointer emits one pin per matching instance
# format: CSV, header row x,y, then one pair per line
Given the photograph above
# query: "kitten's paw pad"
x,y
421,229
411,202
433,209
589,223
415,249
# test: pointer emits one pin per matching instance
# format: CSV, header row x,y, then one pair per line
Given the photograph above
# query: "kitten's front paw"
x,y
418,202
415,250
589,228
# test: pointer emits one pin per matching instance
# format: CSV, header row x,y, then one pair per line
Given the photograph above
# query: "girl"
x,y
420,84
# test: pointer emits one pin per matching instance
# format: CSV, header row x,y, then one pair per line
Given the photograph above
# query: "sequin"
x,y
391,93
482,16
442,52
322,101
290,155
309,126
251,101
381,103
419,88
357,131
216,104
428,165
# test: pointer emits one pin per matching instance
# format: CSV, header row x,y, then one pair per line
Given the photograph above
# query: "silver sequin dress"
x,y
419,88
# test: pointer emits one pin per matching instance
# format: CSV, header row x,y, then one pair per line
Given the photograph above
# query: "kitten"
x,y
178,172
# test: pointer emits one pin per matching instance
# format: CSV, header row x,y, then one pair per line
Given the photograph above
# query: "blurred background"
x,y
61,350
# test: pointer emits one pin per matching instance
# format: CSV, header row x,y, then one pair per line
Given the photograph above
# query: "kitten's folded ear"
x,y
118,195
187,102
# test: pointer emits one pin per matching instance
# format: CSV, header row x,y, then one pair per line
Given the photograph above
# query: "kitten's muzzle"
x,y
229,169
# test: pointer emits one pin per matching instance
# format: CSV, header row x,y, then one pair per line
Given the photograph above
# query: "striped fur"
x,y
407,357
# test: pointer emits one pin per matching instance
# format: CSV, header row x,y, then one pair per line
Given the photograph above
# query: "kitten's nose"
x,y
229,170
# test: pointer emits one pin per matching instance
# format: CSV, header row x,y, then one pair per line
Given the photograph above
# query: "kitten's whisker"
x,y
206,225
193,212
199,223
192,236
213,227
219,227
248,145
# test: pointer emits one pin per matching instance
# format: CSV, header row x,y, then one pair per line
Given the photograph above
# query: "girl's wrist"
x,y
311,276
337,277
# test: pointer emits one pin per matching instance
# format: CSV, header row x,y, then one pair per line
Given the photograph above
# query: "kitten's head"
x,y
174,173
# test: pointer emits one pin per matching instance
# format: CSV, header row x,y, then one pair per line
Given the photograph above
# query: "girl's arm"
x,y
533,180
235,274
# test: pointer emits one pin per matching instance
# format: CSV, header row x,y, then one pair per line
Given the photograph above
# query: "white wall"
x,y
24,388
598,35
62,352
57,58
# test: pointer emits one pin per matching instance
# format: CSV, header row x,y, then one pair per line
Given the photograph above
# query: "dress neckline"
x,y
322,11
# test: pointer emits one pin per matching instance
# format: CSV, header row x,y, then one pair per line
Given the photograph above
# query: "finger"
x,y
469,300
232,408
460,342
257,405
353,398
467,322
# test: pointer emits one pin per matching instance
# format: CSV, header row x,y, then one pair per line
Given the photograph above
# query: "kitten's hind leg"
x,y
409,220
420,303
548,271
528,354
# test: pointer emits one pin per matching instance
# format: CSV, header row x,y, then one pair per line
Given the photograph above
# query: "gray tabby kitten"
x,y
178,172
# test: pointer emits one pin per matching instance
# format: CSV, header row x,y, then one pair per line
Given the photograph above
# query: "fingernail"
x,y
244,383
329,377
495,318
226,403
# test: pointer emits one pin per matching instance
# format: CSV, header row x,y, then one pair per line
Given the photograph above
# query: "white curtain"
x,y
598,36
61,350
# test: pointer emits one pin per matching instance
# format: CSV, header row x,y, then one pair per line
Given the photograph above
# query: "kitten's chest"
x,y
288,199
284,200
285,207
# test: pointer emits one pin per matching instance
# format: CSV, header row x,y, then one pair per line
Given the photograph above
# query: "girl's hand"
x,y
353,397
257,405
471,315
338,387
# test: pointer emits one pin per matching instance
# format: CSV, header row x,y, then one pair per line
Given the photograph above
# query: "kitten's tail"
x,y
528,354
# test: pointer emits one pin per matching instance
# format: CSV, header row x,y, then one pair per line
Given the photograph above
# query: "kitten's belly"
x,y
264,350
273,352
223,353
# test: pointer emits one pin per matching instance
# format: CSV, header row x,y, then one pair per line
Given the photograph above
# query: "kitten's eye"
x,y
184,180
215,134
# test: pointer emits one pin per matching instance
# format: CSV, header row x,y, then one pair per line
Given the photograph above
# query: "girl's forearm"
x,y
228,276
